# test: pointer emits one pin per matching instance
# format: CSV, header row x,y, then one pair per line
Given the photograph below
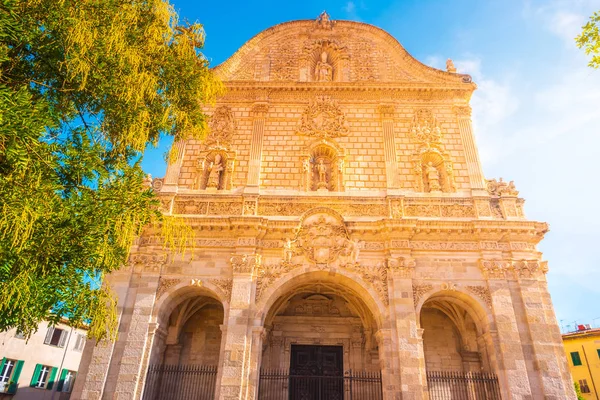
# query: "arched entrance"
x,y
321,342
457,348
187,346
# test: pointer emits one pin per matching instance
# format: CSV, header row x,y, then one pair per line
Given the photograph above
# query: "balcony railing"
x,y
281,385
180,382
447,385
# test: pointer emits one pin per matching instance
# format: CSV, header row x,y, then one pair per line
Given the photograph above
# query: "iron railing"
x,y
448,385
281,385
180,382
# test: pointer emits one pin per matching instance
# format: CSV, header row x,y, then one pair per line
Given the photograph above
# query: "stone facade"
x,y
337,200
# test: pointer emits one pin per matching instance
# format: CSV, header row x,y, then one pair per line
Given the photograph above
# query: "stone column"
x,y
174,166
389,145
237,337
139,336
476,176
259,112
512,365
98,357
409,348
258,336
546,340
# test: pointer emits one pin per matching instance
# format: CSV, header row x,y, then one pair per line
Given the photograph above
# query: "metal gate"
x,y
281,385
447,385
180,382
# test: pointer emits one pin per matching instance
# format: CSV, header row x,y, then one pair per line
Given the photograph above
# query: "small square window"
x,y
43,376
19,335
598,350
56,337
8,368
79,342
576,358
583,385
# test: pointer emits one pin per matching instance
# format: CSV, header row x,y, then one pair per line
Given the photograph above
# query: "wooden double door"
x,y
316,373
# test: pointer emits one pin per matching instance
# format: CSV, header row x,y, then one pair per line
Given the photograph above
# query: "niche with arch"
x,y
323,165
214,170
324,61
434,171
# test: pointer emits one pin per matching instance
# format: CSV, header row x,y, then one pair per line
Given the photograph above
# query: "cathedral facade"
x,y
343,232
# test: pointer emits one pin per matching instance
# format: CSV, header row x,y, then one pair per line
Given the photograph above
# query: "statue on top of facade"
x,y
501,188
147,182
214,177
450,66
433,177
323,70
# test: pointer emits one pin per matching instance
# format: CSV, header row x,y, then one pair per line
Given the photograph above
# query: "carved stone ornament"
x,y
402,267
322,238
425,129
245,264
164,284
501,188
323,21
269,273
375,275
150,261
419,291
483,293
222,128
226,285
323,118
518,269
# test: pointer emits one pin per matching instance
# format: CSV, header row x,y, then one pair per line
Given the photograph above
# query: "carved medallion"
x,y
323,118
222,128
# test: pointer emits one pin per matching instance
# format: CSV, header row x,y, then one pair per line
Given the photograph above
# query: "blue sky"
x,y
536,113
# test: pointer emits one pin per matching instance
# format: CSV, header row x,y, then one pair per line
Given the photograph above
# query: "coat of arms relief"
x,y
323,118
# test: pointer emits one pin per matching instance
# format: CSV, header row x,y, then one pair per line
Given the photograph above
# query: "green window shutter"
x,y
14,381
4,361
36,375
576,358
598,353
53,372
61,381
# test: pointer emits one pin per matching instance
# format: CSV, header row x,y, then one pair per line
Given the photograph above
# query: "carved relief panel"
x,y
432,165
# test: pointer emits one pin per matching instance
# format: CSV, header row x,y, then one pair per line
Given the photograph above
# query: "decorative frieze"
x,y
245,264
513,269
148,261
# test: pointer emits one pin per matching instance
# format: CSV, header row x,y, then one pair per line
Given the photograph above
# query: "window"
x,y
598,353
10,370
19,335
584,386
56,337
66,382
43,377
575,357
79,342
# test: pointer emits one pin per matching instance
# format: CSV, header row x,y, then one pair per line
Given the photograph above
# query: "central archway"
x,y
321,329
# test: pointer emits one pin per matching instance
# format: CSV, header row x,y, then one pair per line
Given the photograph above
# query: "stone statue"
x,y
214,177
323,70
501,188
433,177
450,66
322,173
147,183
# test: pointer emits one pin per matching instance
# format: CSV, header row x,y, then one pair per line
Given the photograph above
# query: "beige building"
x,y
44,366
347,244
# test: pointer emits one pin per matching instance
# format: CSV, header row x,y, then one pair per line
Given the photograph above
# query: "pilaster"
x,y
474,169
259,113
238,339
389,145
174,166
409,338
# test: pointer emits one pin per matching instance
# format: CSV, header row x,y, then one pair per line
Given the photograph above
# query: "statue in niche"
x,y
323,70
433,177
214,177
147,183
322,172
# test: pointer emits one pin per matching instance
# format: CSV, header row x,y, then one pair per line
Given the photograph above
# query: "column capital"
x,y
462,111
260,109
245,264
386,110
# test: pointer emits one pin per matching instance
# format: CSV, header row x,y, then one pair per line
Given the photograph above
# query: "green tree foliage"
x,y
85,87
578,392
589,40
